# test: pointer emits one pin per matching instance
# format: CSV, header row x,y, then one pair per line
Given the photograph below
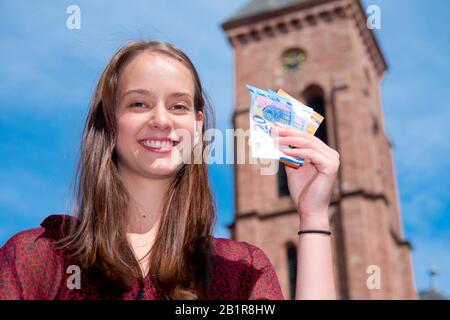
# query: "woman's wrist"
x,y
316,221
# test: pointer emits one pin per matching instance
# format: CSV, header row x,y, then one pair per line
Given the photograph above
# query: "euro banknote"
x,y
269,107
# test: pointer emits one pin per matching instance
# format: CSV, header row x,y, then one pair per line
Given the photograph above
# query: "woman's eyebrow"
x,y
180,94
140,91
149,93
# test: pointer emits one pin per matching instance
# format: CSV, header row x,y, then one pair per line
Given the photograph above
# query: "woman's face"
x,y
155,114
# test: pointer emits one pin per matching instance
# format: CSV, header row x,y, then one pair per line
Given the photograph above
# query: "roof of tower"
x,y
255,7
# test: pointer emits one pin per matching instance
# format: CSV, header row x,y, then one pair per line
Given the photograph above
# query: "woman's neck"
x,y
144,213
146,199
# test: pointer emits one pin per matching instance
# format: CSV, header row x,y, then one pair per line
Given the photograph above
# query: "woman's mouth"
x,y
159,145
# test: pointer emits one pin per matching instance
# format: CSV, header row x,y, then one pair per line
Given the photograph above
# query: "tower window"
x,y
283,189
296,23
314,98
282,27
268,31
292,269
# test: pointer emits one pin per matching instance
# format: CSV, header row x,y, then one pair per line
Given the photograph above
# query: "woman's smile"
x,y
159,144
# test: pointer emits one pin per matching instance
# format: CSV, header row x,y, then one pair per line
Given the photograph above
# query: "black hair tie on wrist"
x,y
314,231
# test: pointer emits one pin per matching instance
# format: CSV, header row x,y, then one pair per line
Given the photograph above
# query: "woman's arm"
x,y
311,186
315,278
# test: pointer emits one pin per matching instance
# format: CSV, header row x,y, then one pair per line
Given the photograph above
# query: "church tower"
x,y
323,53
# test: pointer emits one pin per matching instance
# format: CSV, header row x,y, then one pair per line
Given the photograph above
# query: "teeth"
x,y
157,143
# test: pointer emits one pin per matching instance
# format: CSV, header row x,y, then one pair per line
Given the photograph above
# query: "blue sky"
x,y
47,75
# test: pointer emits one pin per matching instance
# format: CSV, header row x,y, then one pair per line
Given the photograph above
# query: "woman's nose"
x,y
160,118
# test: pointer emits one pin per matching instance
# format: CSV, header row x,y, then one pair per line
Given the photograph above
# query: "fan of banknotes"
x,y
269,107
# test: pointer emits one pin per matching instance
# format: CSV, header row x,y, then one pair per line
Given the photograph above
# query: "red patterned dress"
x,y
31,268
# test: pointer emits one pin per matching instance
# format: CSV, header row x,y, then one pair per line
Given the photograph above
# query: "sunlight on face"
x,y
154,104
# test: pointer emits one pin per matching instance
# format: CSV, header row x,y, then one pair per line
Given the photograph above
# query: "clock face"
x,y
292,59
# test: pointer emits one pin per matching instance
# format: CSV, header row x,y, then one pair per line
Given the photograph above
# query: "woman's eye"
x,y
137,104
180,107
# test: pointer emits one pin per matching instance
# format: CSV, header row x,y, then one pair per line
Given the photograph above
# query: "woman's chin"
x,y
163,168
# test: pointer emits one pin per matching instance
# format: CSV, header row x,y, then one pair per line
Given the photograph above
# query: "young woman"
x,y
144,215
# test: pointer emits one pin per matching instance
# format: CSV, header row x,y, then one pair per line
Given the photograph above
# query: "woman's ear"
x,y
198,126
200,118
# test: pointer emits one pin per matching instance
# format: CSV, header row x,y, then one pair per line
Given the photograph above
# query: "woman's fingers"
x,y
295,141
325,164
291,132
283,130
287,136
304,142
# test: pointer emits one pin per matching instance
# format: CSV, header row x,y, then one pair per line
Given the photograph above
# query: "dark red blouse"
x,y
30,268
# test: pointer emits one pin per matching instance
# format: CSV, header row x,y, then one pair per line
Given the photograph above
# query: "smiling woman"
x,y
142,227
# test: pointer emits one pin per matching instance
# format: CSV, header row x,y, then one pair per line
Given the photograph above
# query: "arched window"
x,y
314,98
291,251
283,189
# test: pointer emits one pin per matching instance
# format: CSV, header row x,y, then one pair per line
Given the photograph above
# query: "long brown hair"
x,y
180,257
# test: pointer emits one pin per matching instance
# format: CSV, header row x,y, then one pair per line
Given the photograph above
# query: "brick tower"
x,y
323,53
